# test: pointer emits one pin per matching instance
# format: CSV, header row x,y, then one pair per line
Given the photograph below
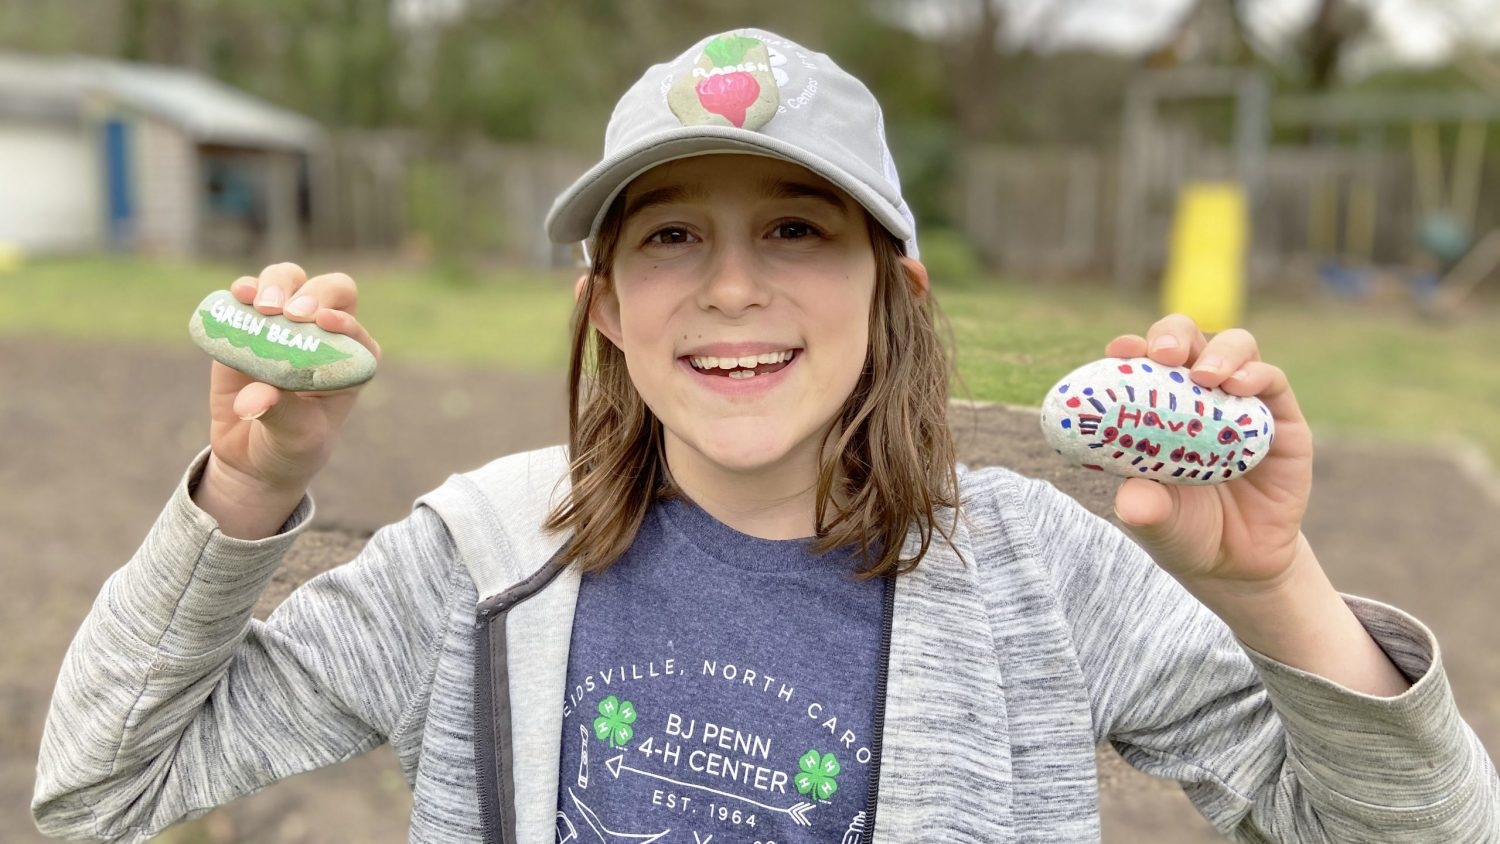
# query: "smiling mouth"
x,y
740,368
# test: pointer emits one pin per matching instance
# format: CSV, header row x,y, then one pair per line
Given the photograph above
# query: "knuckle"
x,y
341,283
284,271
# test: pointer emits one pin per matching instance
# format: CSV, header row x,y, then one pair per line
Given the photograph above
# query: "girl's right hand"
x,y
267,443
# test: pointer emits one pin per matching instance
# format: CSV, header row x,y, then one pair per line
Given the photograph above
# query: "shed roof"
x,y
206,109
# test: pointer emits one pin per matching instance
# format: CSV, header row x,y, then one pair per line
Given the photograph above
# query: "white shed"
x,y
98,154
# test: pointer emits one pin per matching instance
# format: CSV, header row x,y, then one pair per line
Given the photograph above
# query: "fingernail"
x,y
301,306
1239,375
254,416
1210,363
1164,342
269,297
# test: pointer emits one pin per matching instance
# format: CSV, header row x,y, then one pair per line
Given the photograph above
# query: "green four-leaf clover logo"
x,y
818,774
613,723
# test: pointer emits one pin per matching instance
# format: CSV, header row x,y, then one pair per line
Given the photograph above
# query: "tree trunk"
x,y
974,74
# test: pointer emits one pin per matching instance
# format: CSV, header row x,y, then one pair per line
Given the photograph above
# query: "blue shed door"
x,y
117,182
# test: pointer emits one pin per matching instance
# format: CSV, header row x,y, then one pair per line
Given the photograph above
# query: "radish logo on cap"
x,y
732,82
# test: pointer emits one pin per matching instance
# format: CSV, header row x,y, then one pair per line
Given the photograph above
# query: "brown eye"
x,y
670,236
795,230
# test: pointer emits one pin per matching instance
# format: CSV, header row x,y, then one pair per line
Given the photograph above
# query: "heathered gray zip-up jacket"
x,y
448,637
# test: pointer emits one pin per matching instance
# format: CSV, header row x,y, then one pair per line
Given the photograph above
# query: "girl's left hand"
x,y
1246,532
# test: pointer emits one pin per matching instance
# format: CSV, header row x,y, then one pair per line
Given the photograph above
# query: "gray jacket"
x,y
1046,633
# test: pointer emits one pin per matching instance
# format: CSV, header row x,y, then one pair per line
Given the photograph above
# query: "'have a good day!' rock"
x,y
290,355
1135,418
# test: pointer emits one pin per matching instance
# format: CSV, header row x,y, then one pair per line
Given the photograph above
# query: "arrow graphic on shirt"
x,y
565,830
605,833
797,813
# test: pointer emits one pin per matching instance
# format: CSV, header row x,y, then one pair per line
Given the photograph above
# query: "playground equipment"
x,y
1447,209
1446,222
1477,266
1449,212
1345,203
1159,158
1206,273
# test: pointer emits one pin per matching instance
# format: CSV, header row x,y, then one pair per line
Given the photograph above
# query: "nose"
x,y
734,281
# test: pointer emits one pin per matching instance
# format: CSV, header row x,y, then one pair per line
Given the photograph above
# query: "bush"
x,y
949,256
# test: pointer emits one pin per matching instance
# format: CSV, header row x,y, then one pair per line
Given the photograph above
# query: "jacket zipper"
x,y
881,676
492,761
491,822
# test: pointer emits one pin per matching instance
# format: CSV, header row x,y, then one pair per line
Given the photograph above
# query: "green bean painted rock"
x,y
295,356
1136,418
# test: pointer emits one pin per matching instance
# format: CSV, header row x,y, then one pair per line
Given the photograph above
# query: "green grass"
x,y
1014,342
1389,372
518,320
1358,370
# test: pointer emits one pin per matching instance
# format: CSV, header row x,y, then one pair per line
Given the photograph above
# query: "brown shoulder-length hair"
x,y
891,468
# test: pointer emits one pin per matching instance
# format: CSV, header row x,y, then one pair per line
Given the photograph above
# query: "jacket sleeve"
x,y
1266,752
172,700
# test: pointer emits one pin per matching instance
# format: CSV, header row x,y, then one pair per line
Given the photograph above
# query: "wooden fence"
x,y
390,190
1036,213
1046,213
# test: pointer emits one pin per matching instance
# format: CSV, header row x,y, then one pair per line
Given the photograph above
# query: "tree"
x,y
1335,26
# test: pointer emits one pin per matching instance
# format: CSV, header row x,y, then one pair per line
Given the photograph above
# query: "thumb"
x,y
1150,512
257,401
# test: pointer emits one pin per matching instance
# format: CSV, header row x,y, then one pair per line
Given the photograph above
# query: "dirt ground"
x,y
93,437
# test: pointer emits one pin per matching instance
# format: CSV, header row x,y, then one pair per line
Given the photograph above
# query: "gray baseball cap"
x,y
745,91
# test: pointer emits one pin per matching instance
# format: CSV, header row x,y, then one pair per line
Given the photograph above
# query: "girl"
x,y
755,600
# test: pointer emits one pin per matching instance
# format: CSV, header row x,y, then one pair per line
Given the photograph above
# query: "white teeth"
x,y
742,374
739,363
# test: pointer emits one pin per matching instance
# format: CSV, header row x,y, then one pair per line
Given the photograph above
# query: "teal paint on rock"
x,y
296,356
1136,418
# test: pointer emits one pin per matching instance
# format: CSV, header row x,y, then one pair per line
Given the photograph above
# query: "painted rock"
x,y
290,355
1135,418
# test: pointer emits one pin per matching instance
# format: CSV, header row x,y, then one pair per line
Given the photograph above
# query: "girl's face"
x,y
729,265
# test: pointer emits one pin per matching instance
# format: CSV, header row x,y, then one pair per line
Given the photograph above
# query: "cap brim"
x,y
578,211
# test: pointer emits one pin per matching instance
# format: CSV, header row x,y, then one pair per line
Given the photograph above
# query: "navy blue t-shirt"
x,y
721,688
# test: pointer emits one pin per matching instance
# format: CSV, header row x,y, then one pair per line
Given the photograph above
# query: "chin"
x,y
742,453
744,457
